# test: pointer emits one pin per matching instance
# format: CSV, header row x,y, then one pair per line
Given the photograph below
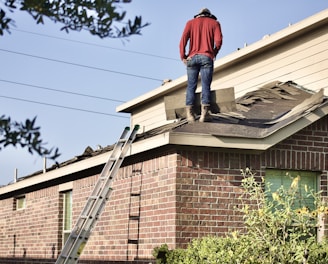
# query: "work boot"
x,y
190,114
205,115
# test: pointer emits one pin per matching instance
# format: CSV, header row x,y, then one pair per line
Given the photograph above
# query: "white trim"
x,y
64,187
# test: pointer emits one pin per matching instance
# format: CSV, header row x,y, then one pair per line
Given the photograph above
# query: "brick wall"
x,y
208,180
305,150
208,189
153,177
22,230
184,193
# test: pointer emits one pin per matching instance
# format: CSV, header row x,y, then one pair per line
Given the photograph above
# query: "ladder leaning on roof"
x,y
96,201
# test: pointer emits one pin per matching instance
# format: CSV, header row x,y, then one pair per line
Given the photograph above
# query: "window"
x,y
67,214
278,178
20,202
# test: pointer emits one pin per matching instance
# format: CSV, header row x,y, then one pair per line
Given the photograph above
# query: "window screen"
x,y
308,180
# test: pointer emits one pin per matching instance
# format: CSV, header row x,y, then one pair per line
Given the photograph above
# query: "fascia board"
x,y
149,143
56,173
136,147
261,144
206,140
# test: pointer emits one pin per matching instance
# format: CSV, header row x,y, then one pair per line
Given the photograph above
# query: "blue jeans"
x,y
204,65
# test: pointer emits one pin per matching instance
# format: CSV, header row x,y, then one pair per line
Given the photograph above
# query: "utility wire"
x,y
80,65
97,45
62,91
61,106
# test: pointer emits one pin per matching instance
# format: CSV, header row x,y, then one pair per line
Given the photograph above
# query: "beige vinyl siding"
x,y
304,61
150,116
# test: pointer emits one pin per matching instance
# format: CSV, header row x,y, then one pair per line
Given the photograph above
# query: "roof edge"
x,y
264,143
176,138
136,147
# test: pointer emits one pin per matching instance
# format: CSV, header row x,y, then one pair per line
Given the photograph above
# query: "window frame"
x,y
67,202
20,203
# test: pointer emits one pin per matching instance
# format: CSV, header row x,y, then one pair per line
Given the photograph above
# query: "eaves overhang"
x,y
62,173
54,174
260,143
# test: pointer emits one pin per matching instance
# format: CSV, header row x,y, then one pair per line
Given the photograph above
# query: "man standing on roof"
x,y
205,39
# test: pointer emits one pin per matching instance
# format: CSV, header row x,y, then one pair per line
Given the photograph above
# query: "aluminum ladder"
x,y
96,201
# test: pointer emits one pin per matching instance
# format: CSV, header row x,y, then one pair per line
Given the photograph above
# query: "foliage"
x,y
276,231
99,17
25,135
160,253
163,255
283,232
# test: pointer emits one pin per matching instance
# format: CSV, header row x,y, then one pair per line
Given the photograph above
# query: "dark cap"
x,y
205,12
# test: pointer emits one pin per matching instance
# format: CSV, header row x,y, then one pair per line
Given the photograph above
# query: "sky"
x,y
72,83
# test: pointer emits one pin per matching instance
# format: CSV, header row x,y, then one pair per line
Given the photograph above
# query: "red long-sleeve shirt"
x,y
204,36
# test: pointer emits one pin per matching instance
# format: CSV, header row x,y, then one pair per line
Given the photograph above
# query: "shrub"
x,y
277,231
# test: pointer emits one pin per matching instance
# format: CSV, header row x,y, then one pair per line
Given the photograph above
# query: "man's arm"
x,y
218,38
183,42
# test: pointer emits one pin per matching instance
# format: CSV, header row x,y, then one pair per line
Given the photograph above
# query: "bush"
x,y
276,231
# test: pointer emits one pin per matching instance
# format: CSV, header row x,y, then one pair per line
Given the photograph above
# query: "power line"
x,y
62,91
97,45
80,65
61,106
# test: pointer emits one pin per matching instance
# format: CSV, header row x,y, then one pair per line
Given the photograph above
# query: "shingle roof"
x,y
259,113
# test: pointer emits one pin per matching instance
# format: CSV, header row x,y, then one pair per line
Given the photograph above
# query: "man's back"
x,y
203,33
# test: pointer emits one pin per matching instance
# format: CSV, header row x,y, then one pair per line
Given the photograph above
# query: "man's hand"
x,y
185,60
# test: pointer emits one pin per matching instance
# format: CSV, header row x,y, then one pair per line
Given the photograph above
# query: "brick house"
x,y
182,181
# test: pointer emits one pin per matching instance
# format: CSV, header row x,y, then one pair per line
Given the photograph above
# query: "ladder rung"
x,y
136,170
135,194
74,236
95,197
133,241
66,257
134,217
105,178
86,216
